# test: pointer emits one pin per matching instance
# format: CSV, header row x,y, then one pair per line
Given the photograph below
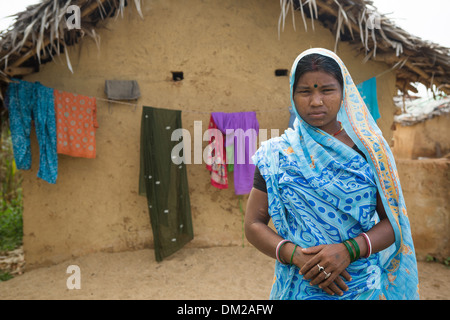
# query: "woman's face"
x,y
318,98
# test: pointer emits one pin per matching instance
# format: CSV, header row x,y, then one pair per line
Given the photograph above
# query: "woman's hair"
x,y
317,62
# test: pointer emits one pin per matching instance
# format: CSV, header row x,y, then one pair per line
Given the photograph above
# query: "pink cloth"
x,y
217,158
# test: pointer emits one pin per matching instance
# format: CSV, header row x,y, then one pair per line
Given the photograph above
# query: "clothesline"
x,y
135,105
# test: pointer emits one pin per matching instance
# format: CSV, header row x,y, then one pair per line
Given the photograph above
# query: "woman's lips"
x,y
317,115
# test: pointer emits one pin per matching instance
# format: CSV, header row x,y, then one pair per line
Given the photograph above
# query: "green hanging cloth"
x,y
163,182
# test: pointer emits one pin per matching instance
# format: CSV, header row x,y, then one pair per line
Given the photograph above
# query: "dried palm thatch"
x,y
377,38
421,109
40,33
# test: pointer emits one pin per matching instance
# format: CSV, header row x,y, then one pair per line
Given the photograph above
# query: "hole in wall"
x,y
281,72
177,75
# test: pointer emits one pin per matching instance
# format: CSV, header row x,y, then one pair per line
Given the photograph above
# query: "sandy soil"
x,y
221,273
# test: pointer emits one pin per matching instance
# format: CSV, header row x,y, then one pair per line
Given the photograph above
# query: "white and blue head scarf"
x,y
321,191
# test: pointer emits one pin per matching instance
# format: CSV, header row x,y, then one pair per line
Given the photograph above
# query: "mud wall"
x,y
428,139
425,185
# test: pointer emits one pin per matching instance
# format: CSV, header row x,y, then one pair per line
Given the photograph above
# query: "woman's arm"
x,y
381,235
257,231
266,239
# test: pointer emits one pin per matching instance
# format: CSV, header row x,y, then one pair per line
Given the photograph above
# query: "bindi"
x,y
315,85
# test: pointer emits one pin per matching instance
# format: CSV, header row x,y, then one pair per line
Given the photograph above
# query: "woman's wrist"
x,y
345,253
280,251
362,245
289,253
285,252
356,248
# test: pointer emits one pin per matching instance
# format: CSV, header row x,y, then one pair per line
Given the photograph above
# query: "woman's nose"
x,y
316,100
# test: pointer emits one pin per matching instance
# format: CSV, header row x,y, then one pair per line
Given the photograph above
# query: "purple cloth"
x,y
241,128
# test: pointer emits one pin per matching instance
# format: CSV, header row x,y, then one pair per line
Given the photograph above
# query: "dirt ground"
x,y
219,273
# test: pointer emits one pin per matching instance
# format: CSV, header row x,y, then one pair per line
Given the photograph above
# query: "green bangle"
x,y
292,256
357,251
350,250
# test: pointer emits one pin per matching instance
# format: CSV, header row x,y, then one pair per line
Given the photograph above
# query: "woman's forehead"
x,y
317,77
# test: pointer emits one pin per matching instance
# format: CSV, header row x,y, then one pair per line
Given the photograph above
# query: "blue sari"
x,y
321,191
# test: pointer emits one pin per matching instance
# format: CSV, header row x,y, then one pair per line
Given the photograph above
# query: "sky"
x,y
10,7
427,19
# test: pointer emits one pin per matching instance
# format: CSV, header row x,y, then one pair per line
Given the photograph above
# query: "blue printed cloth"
x,y
32,101
368,92
292,117
321,191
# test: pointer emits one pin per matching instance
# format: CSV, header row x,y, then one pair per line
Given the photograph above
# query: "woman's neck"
x,y
331,128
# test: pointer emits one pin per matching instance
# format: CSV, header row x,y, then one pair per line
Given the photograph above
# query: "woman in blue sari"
x,y
332,190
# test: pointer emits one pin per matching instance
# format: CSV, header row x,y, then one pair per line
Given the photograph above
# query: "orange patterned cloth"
x,y
76,123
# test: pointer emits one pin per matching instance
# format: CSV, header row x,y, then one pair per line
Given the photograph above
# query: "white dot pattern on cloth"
x,y
76,124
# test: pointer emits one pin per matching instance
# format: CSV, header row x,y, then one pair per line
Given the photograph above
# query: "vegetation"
x,y
11,226
446,261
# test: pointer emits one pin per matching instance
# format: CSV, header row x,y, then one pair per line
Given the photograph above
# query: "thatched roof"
x,y
378,38
40,33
